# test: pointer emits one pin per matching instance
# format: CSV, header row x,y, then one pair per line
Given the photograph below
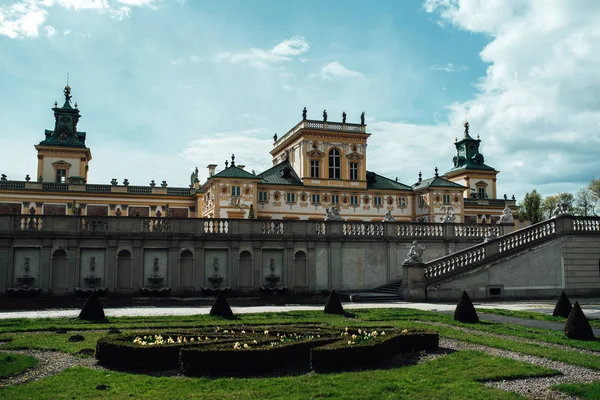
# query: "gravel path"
x,y
49,363
532,323
518,339
534,388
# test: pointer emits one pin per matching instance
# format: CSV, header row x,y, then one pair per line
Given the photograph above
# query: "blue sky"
x,y
165,86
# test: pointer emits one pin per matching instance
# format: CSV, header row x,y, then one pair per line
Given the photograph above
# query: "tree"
x,y
549,204
585,203
530,208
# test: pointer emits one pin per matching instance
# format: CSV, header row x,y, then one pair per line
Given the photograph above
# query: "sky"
x,y
165,86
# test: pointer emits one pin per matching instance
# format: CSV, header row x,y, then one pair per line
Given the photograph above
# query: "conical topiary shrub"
x,y
92,309
465,312
333,304
577,325
563,306
221,307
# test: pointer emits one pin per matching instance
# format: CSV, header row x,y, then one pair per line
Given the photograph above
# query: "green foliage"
x,y
455,376
584,391
530,208
14,364
550,202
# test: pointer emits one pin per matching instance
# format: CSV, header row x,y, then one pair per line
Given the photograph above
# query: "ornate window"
x,y
446,198
235,190
354,200
481,192
314,169
263,196
335,199
315,198
334,164
401,201
290,197
353,171
61,176
377,201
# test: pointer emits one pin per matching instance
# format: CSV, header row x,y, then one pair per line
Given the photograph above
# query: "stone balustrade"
x,y
499,245
205,227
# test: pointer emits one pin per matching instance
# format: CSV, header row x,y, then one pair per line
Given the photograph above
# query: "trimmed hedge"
x,y
319,347
260,358
340,356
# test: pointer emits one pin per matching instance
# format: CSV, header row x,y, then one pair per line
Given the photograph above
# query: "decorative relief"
x,y
315,155
277,199
303,199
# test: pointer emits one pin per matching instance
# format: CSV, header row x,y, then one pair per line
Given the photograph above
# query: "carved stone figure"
x,y
324,115
274,138
332,214
304,114
388,216
415,253
506,216
362,118
448,215
561,209
251,212
344,117
194,177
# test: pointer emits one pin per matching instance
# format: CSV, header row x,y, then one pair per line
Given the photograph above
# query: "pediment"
x,y
354,156
61,163
315,154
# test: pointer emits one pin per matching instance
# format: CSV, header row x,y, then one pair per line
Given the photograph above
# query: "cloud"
x,y
251,146
335,70
286,50
23,19
539,101
449,67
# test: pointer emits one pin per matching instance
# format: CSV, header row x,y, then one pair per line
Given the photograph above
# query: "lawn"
x,y
585,391
457,375
13,364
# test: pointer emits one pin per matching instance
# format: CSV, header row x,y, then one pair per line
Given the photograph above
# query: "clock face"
x,y
63,135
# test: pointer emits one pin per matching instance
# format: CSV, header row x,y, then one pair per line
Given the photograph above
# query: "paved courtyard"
x,y
590,306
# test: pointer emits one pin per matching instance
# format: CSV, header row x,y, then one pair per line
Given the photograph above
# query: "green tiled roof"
x,y
437,181
235,172
472,165
280,174
378,182
52,139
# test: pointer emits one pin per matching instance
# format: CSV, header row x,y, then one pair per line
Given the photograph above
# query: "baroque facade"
x,y
319,168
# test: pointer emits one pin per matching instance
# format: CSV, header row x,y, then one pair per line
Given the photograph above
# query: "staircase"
x,y
391,291
450,267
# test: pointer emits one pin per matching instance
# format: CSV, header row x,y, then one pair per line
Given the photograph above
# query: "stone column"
x,y
173,266
137,267
258,266
198,266
5,267
110,266
45,260
414,286
234,265
311,265
336,273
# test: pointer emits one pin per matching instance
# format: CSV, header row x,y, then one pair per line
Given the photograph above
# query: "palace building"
x,y
319,167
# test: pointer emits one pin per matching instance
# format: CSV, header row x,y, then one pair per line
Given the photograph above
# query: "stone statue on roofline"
x,y
304,114
448,216
332,214
561,209
415,253
194,177
506,216
388,216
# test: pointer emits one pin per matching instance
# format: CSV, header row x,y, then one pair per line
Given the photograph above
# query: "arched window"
x,y
334,164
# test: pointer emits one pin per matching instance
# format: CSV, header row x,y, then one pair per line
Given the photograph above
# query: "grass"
x,y
595,323
14,364
53,341
456,376
585,391
43,337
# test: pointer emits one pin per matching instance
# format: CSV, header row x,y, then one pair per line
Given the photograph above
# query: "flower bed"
x,y
254,350
364,348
